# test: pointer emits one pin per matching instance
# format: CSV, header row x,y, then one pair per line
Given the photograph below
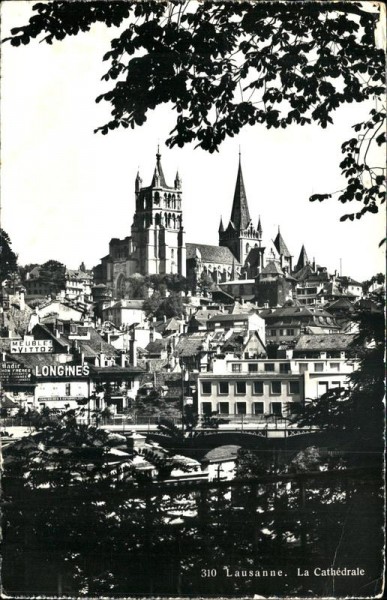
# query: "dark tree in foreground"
x,y
225,65
8,259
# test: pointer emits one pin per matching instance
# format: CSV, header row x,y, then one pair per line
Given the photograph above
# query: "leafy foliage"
x,y
8,259
225,65
158,306
53,273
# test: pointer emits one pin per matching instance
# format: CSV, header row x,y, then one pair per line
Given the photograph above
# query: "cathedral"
x,y
157,244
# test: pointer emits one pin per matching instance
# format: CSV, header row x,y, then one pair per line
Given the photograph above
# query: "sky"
x,y
66,191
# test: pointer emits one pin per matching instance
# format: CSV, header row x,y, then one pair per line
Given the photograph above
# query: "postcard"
x,y
192,299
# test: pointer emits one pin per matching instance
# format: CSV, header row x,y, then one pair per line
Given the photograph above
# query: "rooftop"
x,y
211,254
322,341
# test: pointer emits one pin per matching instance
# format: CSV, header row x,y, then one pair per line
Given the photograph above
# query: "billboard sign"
x,y
29,345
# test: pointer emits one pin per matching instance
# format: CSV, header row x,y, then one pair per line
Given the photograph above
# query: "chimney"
x,y
133,352
22,303
34,320
123,360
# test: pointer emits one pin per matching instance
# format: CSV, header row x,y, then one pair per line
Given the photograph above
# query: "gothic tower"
x,y
158,242
240,235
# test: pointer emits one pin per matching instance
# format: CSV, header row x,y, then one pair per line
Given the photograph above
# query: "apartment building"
x,y
266,388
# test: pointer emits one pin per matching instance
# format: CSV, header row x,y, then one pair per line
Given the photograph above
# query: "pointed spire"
x,y
138,181
280,245
240,215
259,227
303,259
233,272
158,175
221,228
178,181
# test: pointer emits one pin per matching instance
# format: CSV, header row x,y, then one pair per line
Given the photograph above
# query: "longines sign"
x,y
30,345
62,370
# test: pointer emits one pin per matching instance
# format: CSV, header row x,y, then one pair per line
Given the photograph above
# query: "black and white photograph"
x,y
192,299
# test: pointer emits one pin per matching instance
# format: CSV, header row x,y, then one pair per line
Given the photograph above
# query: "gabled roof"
x,y
128,304
76,274
282,248
232,318
341,303
93,346
307,273
157,346
7,402
325,341
272,268
293,311
211,254
240,215
169,325
190,345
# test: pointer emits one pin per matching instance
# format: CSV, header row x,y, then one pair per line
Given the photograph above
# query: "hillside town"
x,y
172,382
240,334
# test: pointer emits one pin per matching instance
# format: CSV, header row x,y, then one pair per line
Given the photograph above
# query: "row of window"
x,y
257,387
284,367
268,367
256,408
273,332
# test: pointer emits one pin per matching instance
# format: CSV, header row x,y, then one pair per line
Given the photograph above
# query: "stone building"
x,y
156,245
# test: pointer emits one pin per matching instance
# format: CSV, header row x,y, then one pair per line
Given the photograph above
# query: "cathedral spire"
x,y
178,181
138,181
158,175
259,227
221,228
233,271
240,215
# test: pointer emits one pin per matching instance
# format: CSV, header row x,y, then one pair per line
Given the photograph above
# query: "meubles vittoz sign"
x,y
28,346
62,370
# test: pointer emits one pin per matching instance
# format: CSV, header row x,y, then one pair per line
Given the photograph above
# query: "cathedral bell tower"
x,y
240,235
158,240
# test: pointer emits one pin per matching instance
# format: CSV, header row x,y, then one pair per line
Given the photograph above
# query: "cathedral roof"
x,y
240,215
282,248
211,254
253,257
